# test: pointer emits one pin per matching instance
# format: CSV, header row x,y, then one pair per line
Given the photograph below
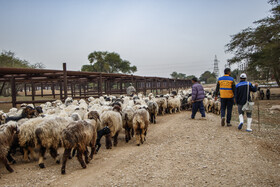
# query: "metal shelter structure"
x,y
79,84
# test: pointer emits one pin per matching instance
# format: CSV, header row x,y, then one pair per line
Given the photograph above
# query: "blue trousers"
x,y
226,104
198,105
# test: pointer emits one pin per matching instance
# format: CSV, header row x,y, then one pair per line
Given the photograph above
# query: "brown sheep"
x,y
78,135
140,125
7,133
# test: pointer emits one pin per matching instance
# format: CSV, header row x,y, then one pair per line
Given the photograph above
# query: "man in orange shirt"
x,y
226,88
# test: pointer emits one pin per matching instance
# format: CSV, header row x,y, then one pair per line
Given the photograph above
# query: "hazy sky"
x,y
158,36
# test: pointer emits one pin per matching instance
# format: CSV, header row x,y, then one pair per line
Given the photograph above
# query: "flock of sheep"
x,y
79,125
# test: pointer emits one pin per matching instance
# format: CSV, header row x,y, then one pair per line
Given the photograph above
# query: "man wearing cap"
x,y
197,98
226,88
241,96
130,90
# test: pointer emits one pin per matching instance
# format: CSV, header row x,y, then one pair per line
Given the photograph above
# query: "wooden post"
x,y
53,91
65,81
33,91
72,94
14,92
2,87
42,92
100,85
25,91
145,87
156,86
60,87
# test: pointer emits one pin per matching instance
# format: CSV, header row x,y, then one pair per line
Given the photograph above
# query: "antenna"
x,y
216,67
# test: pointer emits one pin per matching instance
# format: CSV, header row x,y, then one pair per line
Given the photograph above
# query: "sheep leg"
x,y
5,162
42,153
66,154
132,132
142,133
108,141
116,139
98,145
86,156
127,134
137,137
80,158
54,154
31,150
10,158
25,154
73,152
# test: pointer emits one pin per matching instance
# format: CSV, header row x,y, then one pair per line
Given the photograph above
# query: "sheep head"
x,y
93,115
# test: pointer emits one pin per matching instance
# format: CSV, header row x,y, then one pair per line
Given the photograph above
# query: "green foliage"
x,y
190,77
8,59
234,74
259,46
208,76
176,75
103,61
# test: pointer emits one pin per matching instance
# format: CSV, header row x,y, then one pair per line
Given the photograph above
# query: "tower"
x,y
216,67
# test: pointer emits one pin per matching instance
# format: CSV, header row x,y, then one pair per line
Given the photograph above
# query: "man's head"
x,y
227,71
243,76
194,80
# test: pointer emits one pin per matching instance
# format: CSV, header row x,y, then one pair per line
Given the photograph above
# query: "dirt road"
x,y
178,152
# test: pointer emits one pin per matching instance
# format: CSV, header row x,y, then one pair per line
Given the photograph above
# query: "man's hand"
x,y
256,84
192,101
216,98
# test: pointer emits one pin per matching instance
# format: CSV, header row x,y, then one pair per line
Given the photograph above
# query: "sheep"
x,y
217,107
48,136
100,134
127,116
27,112
210,105
113,120
153,111
26,136
79,135
174,104
7,133
162,104
205,104
140,125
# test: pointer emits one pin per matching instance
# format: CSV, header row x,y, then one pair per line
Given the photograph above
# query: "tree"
x,y
8,59
190,77
259,46
234,74
103,61
174,75
206,77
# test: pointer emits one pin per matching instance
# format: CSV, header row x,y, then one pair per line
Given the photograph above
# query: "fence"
x,y
79,84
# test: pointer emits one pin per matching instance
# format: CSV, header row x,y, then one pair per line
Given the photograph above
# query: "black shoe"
x,y
223,121
229,125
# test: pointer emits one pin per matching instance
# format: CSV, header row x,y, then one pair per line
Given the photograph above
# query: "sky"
x,y
158,36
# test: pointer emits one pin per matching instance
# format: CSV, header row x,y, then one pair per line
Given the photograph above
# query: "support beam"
x,y
14,92
65,81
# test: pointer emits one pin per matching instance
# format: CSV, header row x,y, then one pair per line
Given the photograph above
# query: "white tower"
x,y
216,67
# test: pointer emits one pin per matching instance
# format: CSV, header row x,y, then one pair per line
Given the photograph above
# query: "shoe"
x,y
203,118
240,126
249,122
229,125
223,121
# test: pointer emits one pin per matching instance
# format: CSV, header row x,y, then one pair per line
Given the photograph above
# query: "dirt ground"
x,y
178,152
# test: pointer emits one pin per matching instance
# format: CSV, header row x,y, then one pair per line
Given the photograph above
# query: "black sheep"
x,y
101,133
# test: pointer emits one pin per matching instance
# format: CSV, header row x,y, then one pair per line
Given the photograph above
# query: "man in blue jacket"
x,y
242,95
197,98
